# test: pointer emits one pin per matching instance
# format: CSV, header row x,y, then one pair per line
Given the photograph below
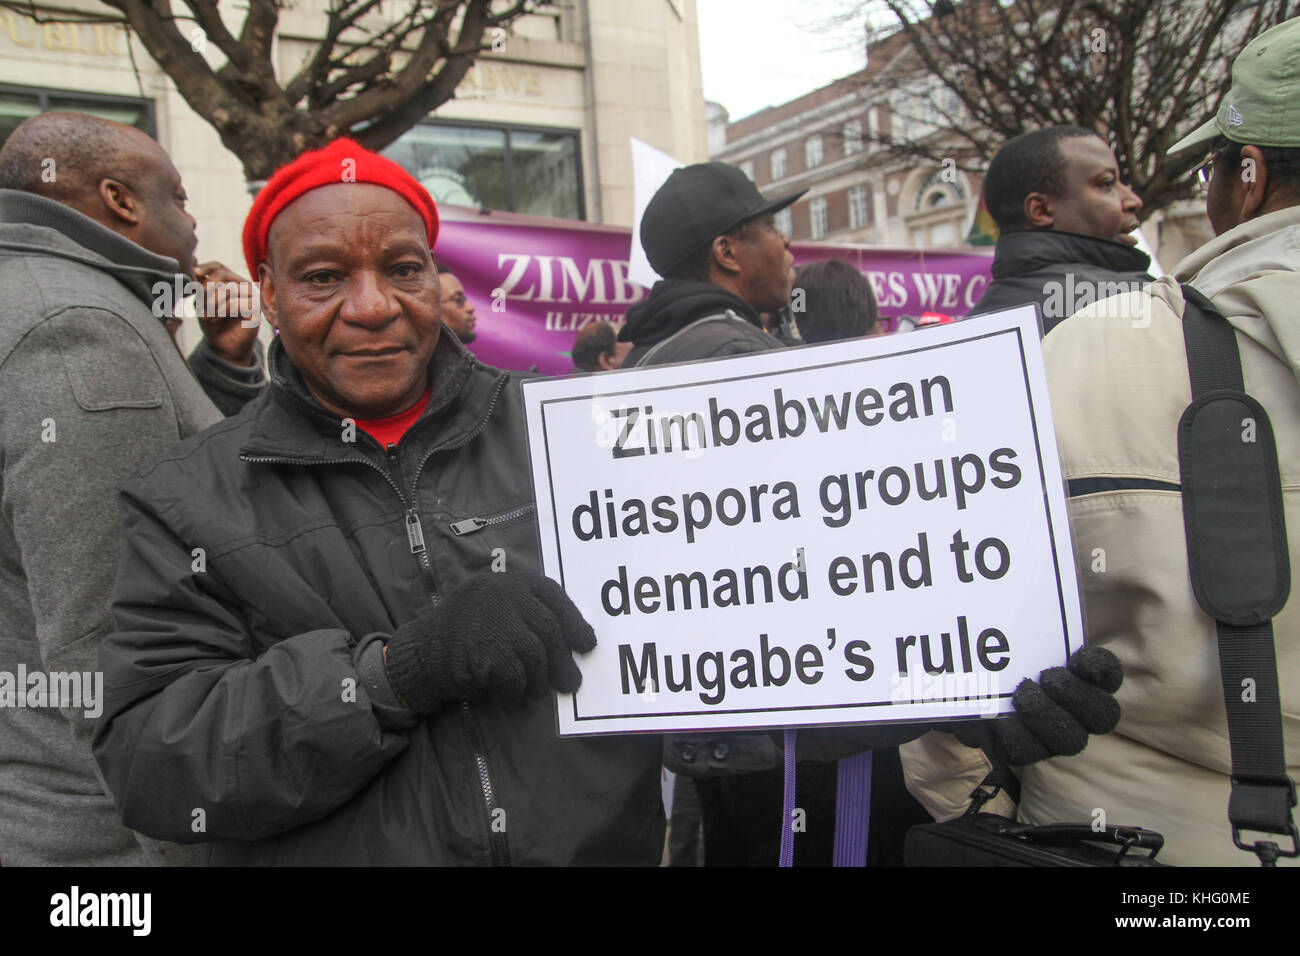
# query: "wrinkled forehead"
x,y
358,217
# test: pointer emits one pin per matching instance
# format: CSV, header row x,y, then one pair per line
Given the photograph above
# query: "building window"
x,y
785,221
901,117
859,210
852,137
873,124
778,164
747,167
517,169
812,152
951,106
919,109
936,236
17,103
819,217
937,191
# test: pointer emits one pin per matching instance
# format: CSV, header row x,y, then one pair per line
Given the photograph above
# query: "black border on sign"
x,y
1038,457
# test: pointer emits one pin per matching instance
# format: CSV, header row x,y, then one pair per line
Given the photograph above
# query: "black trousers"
x,y
742,814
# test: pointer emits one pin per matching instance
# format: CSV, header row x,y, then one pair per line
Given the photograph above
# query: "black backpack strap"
x,y
1000,777
728,316
1240,566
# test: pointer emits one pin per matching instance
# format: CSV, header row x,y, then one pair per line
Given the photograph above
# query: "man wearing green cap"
x,y
1119,380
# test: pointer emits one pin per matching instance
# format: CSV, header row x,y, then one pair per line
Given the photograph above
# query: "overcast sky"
x,y
757,53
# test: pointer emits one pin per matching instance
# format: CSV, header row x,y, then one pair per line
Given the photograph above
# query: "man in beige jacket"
x,y
1119,384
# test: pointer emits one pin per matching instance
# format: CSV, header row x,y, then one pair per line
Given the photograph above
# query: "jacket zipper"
x,y
470,525
496,839
415,534
415,540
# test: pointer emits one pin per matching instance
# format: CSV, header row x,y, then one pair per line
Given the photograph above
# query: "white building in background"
x,y
540,127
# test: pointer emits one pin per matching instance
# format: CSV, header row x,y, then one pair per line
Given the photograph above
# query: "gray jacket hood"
x,y
33,224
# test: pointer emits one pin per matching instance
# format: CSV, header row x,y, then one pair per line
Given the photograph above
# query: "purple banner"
x,y
536,282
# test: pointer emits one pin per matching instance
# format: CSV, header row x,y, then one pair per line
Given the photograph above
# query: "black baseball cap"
x,y
694,206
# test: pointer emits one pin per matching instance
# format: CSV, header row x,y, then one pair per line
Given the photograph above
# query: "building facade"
x,y
539,125
829,142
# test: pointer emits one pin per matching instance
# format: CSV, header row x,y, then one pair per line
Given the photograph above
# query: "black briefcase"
x,y
986,839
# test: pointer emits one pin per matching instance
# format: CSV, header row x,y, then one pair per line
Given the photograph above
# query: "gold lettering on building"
x,y
60,36
101,39
108,40
503,77
19,37
510,78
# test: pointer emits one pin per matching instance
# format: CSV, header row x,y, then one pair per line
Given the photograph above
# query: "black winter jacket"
x,y
674,305
262,558
1060,273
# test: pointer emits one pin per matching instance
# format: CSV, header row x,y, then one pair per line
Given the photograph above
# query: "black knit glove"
x,y
509,634
1053,715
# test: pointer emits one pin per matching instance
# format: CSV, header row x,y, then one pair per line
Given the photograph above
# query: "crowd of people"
x,y
310,583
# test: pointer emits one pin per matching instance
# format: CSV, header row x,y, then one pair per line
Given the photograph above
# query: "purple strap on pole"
x,y
787,808
852,809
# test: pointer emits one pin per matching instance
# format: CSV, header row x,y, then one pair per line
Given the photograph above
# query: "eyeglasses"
x,y
1204,172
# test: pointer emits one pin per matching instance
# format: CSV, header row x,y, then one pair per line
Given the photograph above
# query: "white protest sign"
x,y
650,170
865,531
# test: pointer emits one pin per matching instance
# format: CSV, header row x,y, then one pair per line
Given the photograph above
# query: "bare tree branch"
x,y
368,77
315,70
1140,72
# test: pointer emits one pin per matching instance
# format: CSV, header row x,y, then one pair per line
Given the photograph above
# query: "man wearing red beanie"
x,y
332,642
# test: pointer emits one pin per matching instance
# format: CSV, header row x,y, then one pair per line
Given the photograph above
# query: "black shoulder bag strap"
x,y
727,316
1240,567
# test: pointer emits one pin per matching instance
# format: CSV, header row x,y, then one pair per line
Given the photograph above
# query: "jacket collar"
x,y
1257,245
290,424
674,304
1030,250
1251,274
30,222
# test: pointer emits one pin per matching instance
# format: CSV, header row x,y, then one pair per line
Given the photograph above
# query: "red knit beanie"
x,y
342,161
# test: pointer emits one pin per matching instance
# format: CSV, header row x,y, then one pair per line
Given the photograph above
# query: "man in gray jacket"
x,y
93,237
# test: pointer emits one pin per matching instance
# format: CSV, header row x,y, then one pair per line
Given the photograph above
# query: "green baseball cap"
x,y
1263,106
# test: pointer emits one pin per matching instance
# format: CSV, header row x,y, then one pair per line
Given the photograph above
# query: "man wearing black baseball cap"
x,y
712,236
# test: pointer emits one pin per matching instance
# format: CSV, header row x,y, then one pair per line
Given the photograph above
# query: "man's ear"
x,y
1252,172
1038,211
119,202
266,288
605,362
724,255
